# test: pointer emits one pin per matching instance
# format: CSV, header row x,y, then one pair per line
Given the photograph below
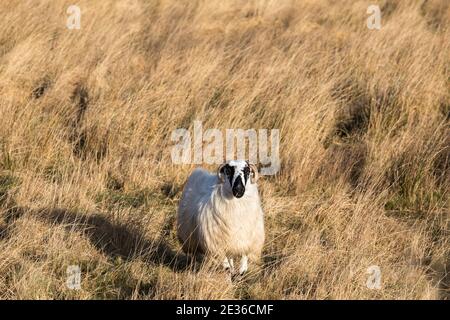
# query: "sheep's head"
x,y
236,174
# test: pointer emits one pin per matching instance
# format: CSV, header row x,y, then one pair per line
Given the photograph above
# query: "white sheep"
x,y
220,214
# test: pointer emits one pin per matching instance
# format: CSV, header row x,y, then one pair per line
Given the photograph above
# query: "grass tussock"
x,y
86,176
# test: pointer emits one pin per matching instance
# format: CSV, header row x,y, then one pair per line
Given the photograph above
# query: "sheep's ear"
x,y
254,173
220,172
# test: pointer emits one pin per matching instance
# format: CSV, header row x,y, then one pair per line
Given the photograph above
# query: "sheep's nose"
x,y
238,188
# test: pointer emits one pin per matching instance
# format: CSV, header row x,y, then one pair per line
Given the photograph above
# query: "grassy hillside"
x,y
86,176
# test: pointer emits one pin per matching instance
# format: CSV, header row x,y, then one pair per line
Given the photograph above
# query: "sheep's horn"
x,y
254,169
219,173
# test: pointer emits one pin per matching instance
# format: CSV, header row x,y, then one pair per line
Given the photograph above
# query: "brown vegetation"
x,y
86,176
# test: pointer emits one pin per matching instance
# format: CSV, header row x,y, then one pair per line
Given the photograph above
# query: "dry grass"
x,y
86,116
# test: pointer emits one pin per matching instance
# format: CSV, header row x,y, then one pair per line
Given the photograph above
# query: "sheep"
x,y
221,215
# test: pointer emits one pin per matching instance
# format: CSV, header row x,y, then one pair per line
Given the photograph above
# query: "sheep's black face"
x,y
237,174
238,188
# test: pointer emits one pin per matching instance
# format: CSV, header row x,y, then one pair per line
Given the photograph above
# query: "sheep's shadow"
x,y
113,239
9,216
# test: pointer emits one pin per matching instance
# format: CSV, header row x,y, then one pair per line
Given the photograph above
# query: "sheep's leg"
x,y
244,265
228,264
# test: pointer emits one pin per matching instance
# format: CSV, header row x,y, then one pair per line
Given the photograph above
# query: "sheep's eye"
x,y
227,170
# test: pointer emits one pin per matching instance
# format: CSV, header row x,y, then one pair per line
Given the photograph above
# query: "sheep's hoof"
x,y
238,276
229,270
242,271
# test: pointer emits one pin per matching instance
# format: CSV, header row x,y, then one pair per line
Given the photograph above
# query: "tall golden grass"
x,y
86,176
